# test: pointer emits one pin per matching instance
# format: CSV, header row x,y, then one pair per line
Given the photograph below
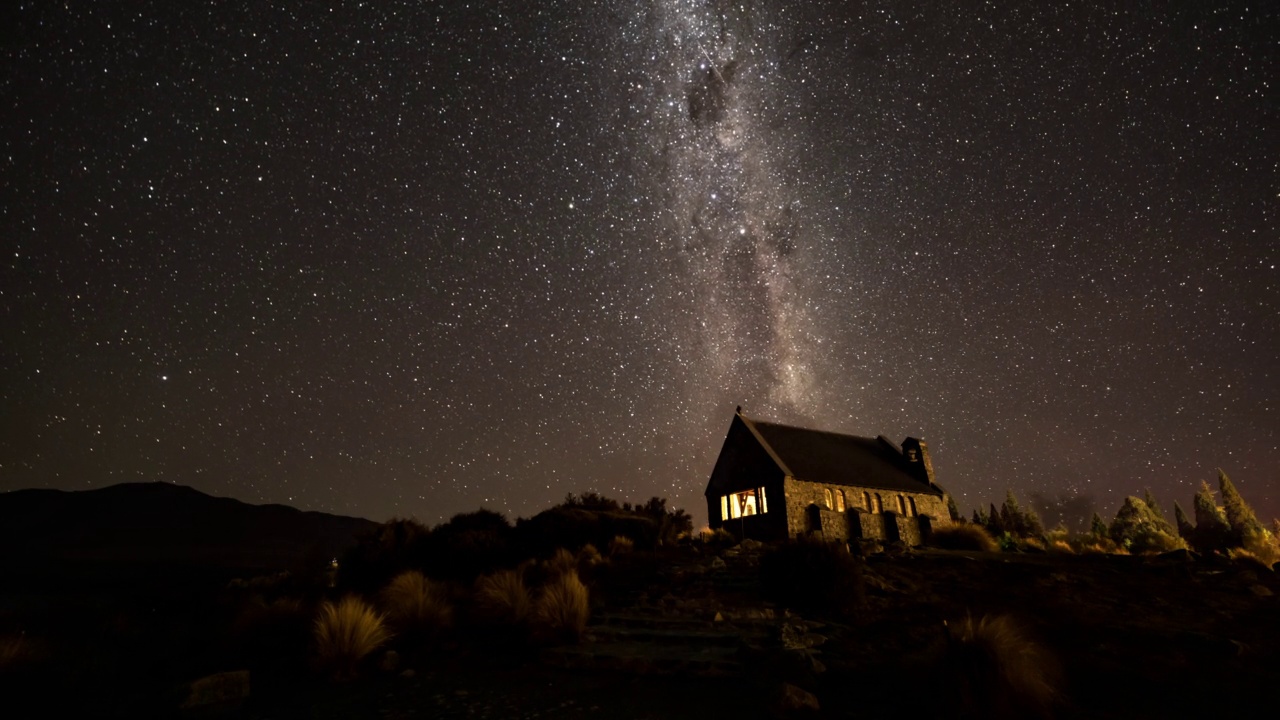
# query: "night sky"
x,y
413,258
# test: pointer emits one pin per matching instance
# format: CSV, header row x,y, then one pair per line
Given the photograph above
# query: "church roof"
x,y
836,459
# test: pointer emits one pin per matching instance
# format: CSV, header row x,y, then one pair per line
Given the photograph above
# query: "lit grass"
x,y
503,599
963,536
992,669
346,633
560,563
417,607
562,608
620,545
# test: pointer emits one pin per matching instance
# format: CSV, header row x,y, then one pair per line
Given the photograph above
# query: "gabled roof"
x,y
836,459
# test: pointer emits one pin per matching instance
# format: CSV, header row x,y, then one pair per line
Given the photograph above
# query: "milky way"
x,y
411,258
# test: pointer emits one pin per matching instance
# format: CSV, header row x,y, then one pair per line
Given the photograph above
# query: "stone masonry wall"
x,y
800,496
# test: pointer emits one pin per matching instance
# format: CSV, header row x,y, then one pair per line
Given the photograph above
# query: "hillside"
x,y
148,524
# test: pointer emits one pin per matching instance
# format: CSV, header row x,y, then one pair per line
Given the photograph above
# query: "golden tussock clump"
x,y
963,536
589,556
993,669
347,632
562,608
502,598
620,544
1061,546
416,605
560,563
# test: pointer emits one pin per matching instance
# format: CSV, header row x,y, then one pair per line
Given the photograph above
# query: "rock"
x,y
408,674
718,564
224,688
749,545
795,637
793,701
1261,590
390,661
718,618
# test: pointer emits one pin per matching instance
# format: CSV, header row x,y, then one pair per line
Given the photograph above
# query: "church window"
x,y
839,501
879,503
866,501
742,504
911,507
826,493
902,505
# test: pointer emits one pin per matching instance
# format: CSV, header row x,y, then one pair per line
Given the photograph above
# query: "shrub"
x,y
15,652
992,669
503,599
391,548
813,574
589,557
347,632
620,544
719,537
560,563
1007,542
270,633
963,536
1249,559
562,609
417,607
1061,546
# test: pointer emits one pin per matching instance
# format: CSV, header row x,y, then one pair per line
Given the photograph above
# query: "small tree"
x,y
952,510
1137,528
1245,528
1097,528
1212,531
1018,521
1186,530
994,525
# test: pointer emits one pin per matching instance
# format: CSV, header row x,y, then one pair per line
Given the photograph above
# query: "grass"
x,y
993,669
417,607
563,608
560,563
589,557
503,599
620,544
346,633
1061,546
963,536
15,652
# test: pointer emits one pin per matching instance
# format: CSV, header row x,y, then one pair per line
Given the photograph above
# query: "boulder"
x,y
796,702
219,689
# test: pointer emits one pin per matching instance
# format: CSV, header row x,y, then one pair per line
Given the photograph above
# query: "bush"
x,y
560,563
620,544
272,635
417,608
718,538
563,608
992,669
1061,546
589,557
813,574
502,599
347,632
1141,530
391,548
963,536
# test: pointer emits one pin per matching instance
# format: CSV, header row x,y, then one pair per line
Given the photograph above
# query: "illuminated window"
x,y
826,493
879,503
742,504
902,505
839,501
866,501
911,506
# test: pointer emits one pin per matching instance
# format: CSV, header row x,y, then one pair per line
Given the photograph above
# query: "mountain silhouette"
x,y
161,524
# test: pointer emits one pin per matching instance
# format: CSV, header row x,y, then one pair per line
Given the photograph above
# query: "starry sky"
x,y
412,258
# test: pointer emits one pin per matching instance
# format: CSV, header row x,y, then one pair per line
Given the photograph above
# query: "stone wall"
x,y
806,507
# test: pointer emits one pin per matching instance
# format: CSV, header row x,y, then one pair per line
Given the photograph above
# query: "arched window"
x,y
840,501
866,501
911,506
879,503
827,493
902,505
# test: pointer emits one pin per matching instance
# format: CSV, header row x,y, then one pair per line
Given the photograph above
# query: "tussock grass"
x,y
417,607
15,651
503,599
589,557
346,633
562,608
1061,546
560,563
1249,559
963,536
620,544
993,669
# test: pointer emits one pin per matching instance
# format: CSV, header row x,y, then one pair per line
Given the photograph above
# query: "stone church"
x,y
775,481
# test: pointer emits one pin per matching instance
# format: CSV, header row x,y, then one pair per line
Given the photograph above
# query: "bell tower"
x,y
916,453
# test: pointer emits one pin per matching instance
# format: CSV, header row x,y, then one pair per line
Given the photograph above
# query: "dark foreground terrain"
x,y
1127,637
